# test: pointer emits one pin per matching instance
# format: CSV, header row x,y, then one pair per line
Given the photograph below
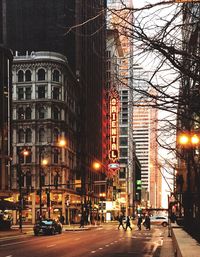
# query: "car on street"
x,y
159,220
47,227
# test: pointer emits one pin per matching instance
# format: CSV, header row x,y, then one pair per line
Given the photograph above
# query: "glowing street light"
x,y
96,165
62,142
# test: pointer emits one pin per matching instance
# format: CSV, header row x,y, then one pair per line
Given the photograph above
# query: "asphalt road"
x,y
106,241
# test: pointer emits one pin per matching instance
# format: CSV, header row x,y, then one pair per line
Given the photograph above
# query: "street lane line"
x,y
106,245
51,246
16,243
93,251
9,256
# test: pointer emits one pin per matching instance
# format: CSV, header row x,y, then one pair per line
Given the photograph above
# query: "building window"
x,y
20,76
56,76
56,113
41,113
41,135
56,93
28,135
55,135
21,136
20,93
21,113
123,152
28,75
55,156
28,113
28,179
123,141
41,92
41,74
28,93
29,158
42,179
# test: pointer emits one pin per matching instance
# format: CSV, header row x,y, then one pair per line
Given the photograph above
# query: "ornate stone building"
x,y
44,112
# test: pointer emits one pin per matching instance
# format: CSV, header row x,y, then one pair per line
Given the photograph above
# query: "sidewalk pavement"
x,y
167,249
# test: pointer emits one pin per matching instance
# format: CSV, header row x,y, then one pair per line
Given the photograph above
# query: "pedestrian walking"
x,y
128,223
82,222
120,222
147,222
139,222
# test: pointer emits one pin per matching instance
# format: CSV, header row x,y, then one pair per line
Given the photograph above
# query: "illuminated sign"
x,y
114,136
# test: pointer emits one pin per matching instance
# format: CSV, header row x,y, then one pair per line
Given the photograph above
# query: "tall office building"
x,y
5,109
60,26
121,19
145,137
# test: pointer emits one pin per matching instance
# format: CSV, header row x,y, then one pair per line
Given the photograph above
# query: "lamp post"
x,y
21,154
189,141
42,163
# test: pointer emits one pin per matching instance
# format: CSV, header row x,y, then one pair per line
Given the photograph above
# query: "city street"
x,y
103,241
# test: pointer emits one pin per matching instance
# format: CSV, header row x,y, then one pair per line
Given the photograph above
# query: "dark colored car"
x,y
47,227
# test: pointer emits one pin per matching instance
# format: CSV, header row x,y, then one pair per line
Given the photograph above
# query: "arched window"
x,y
28,75
56,113
28,113
21,136
28,135
20,76
41,113
28,179
41,135
41,74
20,113
56,75
55,135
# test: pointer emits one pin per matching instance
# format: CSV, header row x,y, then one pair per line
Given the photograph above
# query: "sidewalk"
x,y
167,249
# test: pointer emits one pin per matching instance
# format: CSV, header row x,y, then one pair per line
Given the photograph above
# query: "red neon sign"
x,y
114,113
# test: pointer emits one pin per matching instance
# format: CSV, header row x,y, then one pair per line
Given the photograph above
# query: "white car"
x,y
159,220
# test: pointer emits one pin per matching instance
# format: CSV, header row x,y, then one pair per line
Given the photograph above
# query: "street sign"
x,y
113,166
100,182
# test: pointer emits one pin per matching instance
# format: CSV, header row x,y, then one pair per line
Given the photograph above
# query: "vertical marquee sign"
x,y
114,123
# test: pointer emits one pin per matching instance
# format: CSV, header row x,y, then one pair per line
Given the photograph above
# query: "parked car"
x,y
159,220
47,227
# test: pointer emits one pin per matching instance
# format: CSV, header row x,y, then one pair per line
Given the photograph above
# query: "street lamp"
x,y
42,163
21,154
189,141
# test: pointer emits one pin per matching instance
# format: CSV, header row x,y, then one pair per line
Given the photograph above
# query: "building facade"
x,y
56,26
145,123
44,112
121,20
187,177
5,123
